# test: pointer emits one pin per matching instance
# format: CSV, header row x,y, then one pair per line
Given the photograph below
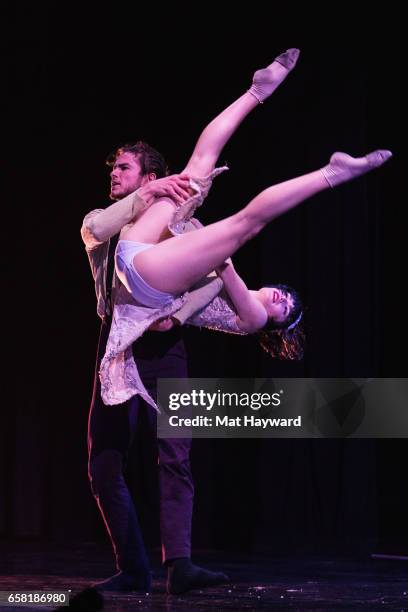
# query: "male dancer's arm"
x,y
102,223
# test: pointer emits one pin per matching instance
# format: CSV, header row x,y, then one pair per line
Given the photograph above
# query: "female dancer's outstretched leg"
x,y
149,228
219,131
176,264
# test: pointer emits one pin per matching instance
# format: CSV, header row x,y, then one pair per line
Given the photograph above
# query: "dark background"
x,y
76,86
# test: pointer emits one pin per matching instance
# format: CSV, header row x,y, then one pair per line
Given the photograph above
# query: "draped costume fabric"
x,y
119,376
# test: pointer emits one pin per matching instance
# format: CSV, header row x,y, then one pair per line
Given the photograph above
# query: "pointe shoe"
x,y
288,59
343,167
266,80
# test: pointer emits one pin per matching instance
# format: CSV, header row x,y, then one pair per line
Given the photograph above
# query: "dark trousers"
x,y
111,431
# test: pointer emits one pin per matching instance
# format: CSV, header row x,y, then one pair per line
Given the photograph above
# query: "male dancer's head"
x,y
133,165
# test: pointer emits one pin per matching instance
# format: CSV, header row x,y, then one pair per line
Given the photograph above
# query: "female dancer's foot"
x,y
265,81
343,167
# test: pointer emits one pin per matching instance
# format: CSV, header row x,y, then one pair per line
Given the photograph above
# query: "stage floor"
x,y
257,582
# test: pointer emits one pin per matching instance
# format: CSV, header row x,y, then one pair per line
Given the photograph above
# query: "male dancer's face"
x,y
126,176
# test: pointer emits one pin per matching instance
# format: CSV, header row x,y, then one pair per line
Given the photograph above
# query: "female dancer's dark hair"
x,y
285,340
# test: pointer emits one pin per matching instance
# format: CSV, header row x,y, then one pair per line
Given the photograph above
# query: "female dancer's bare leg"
x,y
213,139
219,131
174,265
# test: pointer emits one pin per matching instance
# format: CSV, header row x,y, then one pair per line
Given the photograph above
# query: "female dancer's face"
x,y
126,176
277,302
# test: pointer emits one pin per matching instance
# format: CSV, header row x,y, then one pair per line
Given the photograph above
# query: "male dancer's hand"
x,y
175,186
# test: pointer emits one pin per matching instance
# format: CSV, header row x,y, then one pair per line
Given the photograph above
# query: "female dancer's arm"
x,y
251,315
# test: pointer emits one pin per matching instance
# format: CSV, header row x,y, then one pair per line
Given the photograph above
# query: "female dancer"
x,y
156,270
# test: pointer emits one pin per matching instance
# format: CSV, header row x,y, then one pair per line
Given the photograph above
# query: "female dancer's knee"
x,y
247,225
